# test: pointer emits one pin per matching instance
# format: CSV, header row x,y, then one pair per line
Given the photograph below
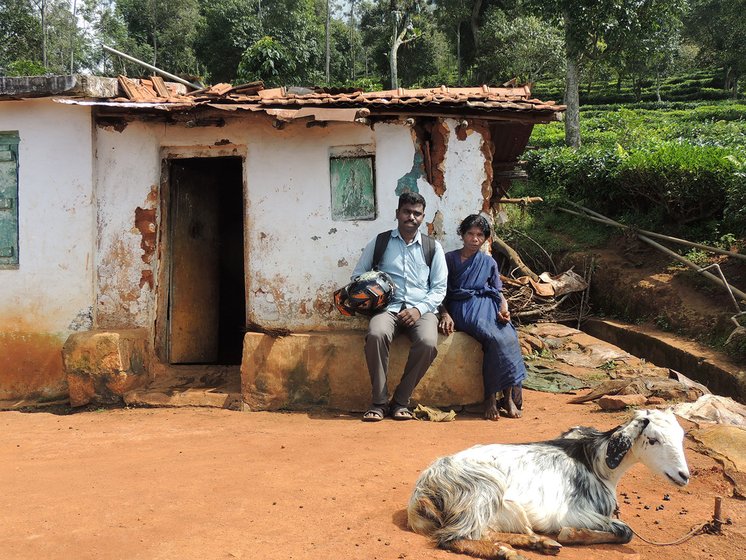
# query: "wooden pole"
x,y
522,200
663,237
668,251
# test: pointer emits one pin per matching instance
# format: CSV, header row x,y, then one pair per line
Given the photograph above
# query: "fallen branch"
x,y
514,258
541,310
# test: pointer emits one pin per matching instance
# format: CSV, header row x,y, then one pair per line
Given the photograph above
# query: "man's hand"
x,y
408,317
445,325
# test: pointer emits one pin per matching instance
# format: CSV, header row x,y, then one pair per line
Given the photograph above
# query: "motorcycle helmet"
x,y
368,294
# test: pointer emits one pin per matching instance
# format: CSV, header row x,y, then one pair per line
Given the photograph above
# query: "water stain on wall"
x,y
31,365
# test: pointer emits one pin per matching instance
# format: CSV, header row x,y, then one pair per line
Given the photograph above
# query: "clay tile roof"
x,y
502,101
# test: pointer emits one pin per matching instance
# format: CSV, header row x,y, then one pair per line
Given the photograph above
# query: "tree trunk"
x,y
328,24
458,50
476,7
572,100
658,86
72,38
44,34
352,40
395,42
734,91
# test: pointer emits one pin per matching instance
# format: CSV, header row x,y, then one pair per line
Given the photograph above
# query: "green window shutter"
x,y
8,200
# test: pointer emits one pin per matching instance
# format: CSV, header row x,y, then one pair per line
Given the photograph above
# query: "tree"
x,y
162,32
648,44
719,27
523,47
402,32
231,32
65,43
589,27
105,26
20,37
389,25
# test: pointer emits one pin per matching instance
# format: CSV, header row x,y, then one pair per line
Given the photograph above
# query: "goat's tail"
x,y
455,499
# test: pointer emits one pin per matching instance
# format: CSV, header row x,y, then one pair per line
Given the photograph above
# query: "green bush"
x,y
666,185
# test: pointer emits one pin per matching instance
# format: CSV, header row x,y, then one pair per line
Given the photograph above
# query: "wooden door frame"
x,y
163,282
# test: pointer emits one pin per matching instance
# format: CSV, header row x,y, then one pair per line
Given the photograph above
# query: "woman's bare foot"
x,y
511,395
490,408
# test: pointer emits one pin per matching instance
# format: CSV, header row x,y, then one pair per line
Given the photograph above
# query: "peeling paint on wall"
x,y
146,278
145,224
436,228
463,131
487,151
408,181
432,141
83,321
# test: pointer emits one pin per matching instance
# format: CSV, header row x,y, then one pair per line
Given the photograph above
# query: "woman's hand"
x,y
503,315
445,325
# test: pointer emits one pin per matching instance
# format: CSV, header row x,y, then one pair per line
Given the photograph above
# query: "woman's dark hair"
x,y
475,220
410,197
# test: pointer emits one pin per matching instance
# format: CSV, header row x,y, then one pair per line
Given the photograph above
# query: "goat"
x,y
484,499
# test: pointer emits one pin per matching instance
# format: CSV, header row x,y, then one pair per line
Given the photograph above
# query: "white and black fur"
x,y
547,487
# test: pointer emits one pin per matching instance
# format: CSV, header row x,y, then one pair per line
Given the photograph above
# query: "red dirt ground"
x,y
212,484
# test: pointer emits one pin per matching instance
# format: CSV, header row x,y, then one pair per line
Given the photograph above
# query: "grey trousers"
x,y
381,331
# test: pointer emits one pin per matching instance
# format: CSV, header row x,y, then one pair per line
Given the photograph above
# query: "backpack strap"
x,y
428,248
382,242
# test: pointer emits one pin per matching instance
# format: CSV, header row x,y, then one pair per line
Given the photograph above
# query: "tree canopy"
x,y
382,43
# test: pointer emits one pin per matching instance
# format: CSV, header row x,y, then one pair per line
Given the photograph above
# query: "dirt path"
x,y
211,484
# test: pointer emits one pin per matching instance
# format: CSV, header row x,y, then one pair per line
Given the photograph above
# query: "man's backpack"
x,y
382,241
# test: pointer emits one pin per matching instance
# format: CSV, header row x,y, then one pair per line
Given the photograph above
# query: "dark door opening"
x,y
206,299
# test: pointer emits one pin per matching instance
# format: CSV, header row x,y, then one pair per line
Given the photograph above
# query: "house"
x,y
144,229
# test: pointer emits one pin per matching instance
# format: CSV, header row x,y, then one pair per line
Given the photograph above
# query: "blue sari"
x,y
473,301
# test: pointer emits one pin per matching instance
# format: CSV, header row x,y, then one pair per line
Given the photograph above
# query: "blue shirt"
x,y
417,285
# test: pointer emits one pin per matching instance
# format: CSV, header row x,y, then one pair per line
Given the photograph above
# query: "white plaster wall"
x,y
127,177
296,255
464,174
52,290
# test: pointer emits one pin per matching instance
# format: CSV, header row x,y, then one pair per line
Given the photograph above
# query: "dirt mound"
x,y
640,285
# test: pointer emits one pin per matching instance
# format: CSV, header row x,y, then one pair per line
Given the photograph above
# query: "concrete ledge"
x,y
666,350
78,85
328,369
103,365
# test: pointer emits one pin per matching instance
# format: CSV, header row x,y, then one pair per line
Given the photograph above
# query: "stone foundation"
x,y
328,369
101,366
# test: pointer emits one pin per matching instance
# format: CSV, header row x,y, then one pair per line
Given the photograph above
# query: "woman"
x,y
475,305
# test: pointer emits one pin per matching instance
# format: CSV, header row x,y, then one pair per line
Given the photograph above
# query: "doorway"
x,y
206,305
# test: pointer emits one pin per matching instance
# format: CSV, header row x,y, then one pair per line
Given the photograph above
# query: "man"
x,y
419,291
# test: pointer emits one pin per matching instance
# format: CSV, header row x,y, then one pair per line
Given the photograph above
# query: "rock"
x,y
533,342
619,402
655,401
101,366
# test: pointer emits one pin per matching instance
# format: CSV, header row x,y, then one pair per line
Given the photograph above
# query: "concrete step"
x,y
702,364
203,397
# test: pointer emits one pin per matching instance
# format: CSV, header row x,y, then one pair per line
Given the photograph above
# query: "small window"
x,y
8,200
352,173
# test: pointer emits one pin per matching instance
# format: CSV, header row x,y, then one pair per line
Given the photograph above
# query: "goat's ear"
x,y
622,439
